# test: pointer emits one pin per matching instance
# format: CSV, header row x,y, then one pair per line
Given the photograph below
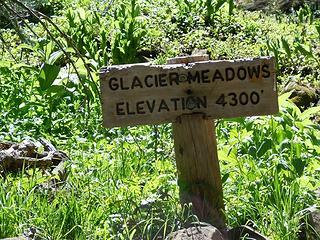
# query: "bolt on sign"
x,y
139,94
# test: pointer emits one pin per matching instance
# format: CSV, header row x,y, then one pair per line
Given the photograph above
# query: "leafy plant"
x,y
270,160
122,181
212,8
91,40
186,15
128,32
305,14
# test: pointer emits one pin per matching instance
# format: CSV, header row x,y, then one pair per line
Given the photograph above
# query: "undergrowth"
x,y
122,182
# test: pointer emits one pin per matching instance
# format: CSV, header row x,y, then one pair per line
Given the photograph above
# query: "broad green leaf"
x,y
81,13
286,46
225,177
81,68
227,153
264,147
25,46
303,49
56,89
47,76
305,182
298,165
297,149
309,112
284,97
48,49
54,57
70,50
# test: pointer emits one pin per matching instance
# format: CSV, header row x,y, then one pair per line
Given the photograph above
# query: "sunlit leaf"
x,y
25,46
303,49
286,46
310,112
47,75
55,56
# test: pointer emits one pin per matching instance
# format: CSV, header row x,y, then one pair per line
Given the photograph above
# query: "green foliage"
x,y
305,15
122,181
212,8
47,7
91,40
193,13
274,162
128,32
292,54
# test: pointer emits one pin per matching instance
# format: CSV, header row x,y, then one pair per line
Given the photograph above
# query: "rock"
x,y
29,234
302,95
244,232
253,5
315,221
283,5
315,217
201,232
16,156
310,223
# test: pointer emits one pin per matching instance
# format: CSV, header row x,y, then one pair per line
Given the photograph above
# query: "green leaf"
x,y
309,112
5,64
231,7
252,150
225,177
48,49
303,49
21,66
47,76
264,147
132,234
318,29
81,13
25,46
54,57
298,165
284,97
301,15
297,149
219,4
286,46
57,90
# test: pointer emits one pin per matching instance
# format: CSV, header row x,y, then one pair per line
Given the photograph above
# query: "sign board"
x,y
152,94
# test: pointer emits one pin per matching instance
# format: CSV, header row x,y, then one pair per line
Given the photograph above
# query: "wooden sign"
x,y
153,94
183,92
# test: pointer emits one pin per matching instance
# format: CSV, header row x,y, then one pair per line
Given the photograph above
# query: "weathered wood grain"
x,y
199,176
154,94
198,168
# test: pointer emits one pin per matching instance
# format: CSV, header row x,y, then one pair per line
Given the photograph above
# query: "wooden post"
x,y
199,176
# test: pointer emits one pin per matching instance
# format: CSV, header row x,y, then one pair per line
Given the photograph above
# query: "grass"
x,y
122,182
110,190
125,188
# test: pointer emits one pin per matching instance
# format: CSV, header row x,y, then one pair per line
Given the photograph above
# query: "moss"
x,y
303,96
